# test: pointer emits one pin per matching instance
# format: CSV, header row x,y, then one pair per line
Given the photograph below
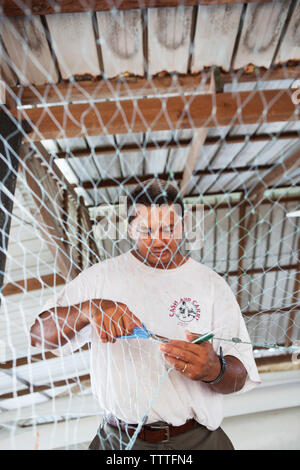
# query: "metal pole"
x,y
10,141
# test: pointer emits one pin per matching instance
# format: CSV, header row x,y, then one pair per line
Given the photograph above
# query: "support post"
x,y
10,141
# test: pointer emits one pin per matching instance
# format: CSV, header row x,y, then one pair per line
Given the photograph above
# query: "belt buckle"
x,y
167,430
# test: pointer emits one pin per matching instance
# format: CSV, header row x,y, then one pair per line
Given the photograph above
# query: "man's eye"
x,y
168,229
143,230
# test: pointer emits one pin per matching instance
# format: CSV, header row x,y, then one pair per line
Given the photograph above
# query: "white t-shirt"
x,y
130,377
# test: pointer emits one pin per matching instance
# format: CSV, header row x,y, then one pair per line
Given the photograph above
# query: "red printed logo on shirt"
x,y
185,310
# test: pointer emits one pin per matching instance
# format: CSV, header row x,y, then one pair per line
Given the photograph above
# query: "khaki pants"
x,y
200,438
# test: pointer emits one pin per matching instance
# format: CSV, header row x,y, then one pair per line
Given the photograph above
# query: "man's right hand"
x,y
112,319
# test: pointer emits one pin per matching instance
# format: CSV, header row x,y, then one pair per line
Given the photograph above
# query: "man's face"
x,y
157,232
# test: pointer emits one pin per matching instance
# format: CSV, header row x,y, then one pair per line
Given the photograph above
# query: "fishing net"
x,y
94,103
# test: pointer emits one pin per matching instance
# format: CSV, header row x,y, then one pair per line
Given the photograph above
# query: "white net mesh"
x,y
94,103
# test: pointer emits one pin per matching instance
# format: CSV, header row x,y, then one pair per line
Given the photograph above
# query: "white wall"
x,y
269,430
267,417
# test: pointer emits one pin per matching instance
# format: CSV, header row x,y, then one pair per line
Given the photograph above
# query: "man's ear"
x,y
129,229
185,220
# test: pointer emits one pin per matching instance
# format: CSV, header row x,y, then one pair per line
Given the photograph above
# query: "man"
x,y
154,395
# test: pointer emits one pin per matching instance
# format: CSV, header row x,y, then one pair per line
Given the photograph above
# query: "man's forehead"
x,y
158,212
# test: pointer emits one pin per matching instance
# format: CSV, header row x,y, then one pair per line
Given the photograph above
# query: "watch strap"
x,y
222,372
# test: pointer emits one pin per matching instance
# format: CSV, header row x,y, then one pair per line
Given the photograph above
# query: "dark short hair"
x,y
153,191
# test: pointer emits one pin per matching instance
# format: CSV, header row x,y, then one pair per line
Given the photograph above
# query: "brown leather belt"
x,y
155,432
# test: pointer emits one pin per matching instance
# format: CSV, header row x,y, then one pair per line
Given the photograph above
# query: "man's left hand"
x,y
195,361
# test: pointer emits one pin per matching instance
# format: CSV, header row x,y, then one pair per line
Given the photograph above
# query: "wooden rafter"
x,y
256,195
44,7
34,283
178,144
225,204
257,74
51,227
273,360
43,388
53,168
51,280
263,270
61,226
153,114
192,158
108,89
177,176
34,358
122,87
277,311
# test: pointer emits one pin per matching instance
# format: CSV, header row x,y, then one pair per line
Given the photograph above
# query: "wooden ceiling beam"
x,y
44,7
263,270
51,280
108,89
34,283
50,226
197,143
256,194
261,74
178,144
177,176
228,203
154,114
33,358
42,388
122,87
41,151
282,310
273,360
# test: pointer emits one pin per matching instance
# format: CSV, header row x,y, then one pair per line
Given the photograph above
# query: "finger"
x,y
100,329
128,315
128,324
130,321
111,321
178,352
120,327
108,328
178,364
112,331
137,322
196,349
192,336
185,368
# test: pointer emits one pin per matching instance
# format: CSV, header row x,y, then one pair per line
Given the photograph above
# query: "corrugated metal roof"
x,y
122,35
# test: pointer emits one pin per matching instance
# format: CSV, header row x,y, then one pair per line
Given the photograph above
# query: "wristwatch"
x,y
222,372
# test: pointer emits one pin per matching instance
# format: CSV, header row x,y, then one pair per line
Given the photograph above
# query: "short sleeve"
x,y
74,292
230,328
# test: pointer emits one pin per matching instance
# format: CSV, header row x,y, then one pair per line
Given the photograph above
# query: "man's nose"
x,y
157,240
